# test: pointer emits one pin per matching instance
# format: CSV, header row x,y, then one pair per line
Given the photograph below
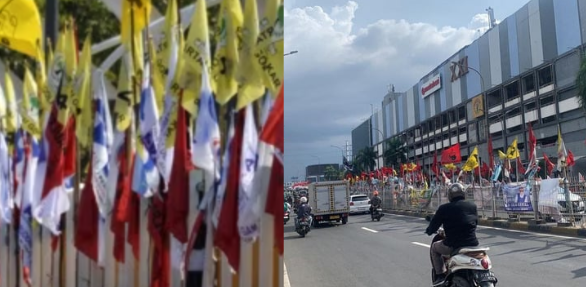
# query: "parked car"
x,y
359,203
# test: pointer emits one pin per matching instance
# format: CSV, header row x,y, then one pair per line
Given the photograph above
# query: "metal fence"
x,y
513,201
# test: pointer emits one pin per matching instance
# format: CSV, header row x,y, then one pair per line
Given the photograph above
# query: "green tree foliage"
x,y
395,152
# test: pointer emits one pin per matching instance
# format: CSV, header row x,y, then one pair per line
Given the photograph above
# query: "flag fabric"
x,y
20,159
532,142
502,155
177,203
160,274
435,166
249,73
512,150
225,174
135,17
119,178
123,107
451,154
227,238
570,159
248,161
226,55
53,196
270,151
87,230
472,161
580,177
149,129
6,182
197,59
30,109
496,173
23,31
520,167
83,100
269,49
30,192
273,134
205,146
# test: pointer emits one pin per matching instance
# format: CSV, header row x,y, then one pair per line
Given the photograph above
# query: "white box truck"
x,y
329,201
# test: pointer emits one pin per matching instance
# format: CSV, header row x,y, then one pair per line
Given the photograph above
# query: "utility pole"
x,y
51,22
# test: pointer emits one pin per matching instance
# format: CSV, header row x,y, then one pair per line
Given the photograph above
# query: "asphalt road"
x,y
394,252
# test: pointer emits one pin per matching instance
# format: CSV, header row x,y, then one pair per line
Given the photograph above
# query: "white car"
x,y
359,203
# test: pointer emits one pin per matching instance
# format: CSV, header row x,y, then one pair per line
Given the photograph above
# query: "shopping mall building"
x,y
523,69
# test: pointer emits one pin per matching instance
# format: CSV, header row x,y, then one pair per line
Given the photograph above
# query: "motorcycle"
x,y
286,216
467,266
303,225
376,213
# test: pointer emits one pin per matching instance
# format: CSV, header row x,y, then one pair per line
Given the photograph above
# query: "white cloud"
x,y
339,71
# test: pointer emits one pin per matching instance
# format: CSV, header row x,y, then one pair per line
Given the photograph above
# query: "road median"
x,y
505,224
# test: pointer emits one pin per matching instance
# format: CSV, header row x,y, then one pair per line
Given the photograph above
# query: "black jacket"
x,y
460,219
375,201
303,210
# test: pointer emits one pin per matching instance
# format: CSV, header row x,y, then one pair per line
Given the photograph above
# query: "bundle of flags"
x,y
148,155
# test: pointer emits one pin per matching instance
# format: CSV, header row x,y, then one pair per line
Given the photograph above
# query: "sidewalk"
x,y
503,223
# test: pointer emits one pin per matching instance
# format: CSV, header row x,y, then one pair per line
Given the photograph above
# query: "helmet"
x,y
375,193
303,200
456,190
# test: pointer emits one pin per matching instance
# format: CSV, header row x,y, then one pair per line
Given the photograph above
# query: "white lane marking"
x,y
420,244
368,229
286,282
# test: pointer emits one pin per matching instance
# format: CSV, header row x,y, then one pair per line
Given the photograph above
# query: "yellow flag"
x,y
125,98
11,123
82,102
502,155
269,50
512,151
249,73
67,98
171,30
140,12
226,54
21,26
156,77
450,166
472,161
29,110
196,55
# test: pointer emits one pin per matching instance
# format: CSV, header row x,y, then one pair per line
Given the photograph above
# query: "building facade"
x,y
520,72
316,172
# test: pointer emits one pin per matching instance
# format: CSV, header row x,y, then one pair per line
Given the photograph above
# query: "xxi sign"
x,y
460,69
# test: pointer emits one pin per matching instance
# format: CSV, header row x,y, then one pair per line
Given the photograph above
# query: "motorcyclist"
x,y
459,218
375,202
303,210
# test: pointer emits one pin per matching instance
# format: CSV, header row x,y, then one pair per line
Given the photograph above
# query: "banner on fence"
x,y
517,197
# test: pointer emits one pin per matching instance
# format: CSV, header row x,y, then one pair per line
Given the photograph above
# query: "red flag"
x,y
117,225
520,167
548,164
160,272
86,226
490,154
196,243
227,236
570,159
70,147
272,134
127,210
452,154
178,195
435,165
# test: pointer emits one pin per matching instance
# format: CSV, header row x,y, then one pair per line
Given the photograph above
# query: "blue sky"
x,y
350,51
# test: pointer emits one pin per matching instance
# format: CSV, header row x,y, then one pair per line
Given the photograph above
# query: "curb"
x,y
521,226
